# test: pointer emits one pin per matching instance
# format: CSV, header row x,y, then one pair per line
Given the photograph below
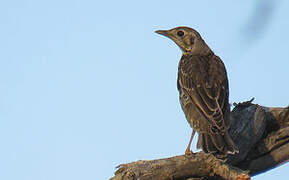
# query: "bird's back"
x,y
204,91
203,79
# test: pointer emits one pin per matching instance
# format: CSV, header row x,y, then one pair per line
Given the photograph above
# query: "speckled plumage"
x,y
203,91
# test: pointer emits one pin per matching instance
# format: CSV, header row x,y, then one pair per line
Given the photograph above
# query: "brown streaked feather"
x,y
204,80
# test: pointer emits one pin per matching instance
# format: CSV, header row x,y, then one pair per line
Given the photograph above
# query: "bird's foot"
x,y
188,152
243,177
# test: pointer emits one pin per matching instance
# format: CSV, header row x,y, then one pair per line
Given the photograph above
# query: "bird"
x,y
203,88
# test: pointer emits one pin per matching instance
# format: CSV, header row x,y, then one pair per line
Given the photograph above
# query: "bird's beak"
x,y
162,32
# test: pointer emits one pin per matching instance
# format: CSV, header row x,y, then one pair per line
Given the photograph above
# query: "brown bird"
x,y
203,92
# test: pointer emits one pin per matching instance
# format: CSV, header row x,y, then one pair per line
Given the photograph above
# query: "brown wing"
x,y
204,80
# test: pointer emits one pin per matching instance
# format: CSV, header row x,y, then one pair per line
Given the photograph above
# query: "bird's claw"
x,y
189,152
243,177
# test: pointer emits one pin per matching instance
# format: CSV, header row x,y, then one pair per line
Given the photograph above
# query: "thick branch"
x,y
261,133
178,168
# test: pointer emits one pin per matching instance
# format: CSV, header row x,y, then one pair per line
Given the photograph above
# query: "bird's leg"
x,y
188,151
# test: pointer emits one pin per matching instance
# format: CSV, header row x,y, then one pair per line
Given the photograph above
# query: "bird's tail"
x,y
217,143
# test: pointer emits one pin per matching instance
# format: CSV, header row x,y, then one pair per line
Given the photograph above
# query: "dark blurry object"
x,y
260,19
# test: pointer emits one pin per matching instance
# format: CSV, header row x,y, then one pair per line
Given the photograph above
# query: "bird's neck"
x,y
202,49
201,52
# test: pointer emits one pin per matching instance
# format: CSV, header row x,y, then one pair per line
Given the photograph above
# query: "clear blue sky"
x,y
87,85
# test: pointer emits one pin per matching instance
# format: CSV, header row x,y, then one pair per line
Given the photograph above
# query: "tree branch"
x,y
177,168
260,133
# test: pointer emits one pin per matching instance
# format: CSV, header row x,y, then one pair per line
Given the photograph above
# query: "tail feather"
x,y
232,148
200,142
216,143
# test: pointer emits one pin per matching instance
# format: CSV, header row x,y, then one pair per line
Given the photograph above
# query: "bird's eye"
x,y
180,33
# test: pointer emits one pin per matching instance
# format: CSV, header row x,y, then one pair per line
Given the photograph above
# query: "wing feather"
x,y
204,80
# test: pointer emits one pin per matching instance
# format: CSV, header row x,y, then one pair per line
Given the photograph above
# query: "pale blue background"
x,y
87,85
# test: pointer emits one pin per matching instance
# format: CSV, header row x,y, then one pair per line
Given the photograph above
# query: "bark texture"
x,y
260,133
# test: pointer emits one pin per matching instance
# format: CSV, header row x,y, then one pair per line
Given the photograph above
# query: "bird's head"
x,y
188,39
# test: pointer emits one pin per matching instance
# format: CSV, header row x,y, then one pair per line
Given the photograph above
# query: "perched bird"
x,y
203,91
